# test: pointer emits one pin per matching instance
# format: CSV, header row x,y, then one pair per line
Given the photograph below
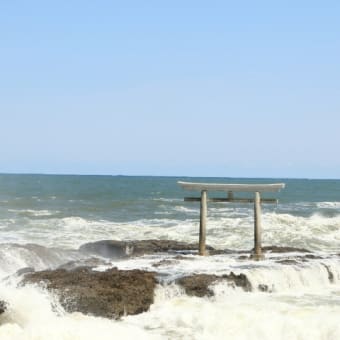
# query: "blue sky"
x,y
198,88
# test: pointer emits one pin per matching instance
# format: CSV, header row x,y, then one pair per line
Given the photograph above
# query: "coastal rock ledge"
x,y
115,293
200,284
109,294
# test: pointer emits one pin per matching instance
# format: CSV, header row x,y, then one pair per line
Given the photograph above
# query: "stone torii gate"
x,y
256,189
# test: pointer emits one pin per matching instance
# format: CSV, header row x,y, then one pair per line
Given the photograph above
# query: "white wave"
x,y
300,294
331,205
16,256
232,230
241,316
165,292
34,314
307,277
171,200
315,232
186,210
319,276
34,213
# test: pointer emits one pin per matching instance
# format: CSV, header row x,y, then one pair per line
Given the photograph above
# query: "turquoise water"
x,y
66,210
120,198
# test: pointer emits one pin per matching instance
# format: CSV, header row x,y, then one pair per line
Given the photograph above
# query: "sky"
x,y
194,88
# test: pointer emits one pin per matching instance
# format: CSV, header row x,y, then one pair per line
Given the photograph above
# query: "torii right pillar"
x,y
257,255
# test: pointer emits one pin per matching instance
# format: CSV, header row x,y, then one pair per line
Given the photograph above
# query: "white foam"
x,y
186,210
320,276
301,295
329,205
241,316
34,213
33,314
306,277
315,232
224,230
15,256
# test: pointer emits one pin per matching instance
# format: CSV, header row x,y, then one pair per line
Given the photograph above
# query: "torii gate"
x,y
230,189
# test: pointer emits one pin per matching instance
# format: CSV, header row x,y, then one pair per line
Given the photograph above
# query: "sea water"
x,y
45,218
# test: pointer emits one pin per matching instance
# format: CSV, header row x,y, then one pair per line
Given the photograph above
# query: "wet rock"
x,y
313,257
3,306
263,287
161,246
287,261
24,271
165,262
91,262
183,257
19,272
278,249
330,274
121,249
109,294
199,284
106,248
239,280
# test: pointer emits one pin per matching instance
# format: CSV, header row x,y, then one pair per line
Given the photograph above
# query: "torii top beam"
x,y
232,187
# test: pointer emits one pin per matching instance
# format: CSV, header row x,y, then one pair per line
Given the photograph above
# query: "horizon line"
x,y
165,176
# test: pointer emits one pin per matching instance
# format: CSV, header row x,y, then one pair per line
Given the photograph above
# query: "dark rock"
x,y
198,284
165,262
24,271
183,257
313,257
300,258
287,261
89,263
19,272
278,249
263,287
239,280
3,306
330,274
160,246
121,249
106,248
110,294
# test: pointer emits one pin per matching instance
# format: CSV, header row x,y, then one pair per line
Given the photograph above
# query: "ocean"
x,y
44,219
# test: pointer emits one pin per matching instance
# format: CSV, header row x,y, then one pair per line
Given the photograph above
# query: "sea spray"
x,y
241,316
35,314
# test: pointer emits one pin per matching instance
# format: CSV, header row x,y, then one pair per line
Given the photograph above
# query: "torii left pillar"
x,y
203,223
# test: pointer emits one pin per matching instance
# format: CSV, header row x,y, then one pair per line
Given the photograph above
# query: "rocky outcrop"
x,y
284,249
110,294
199,284
121,249
114,293
91,262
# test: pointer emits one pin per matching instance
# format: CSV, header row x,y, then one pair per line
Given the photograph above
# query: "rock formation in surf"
x,y
110,294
